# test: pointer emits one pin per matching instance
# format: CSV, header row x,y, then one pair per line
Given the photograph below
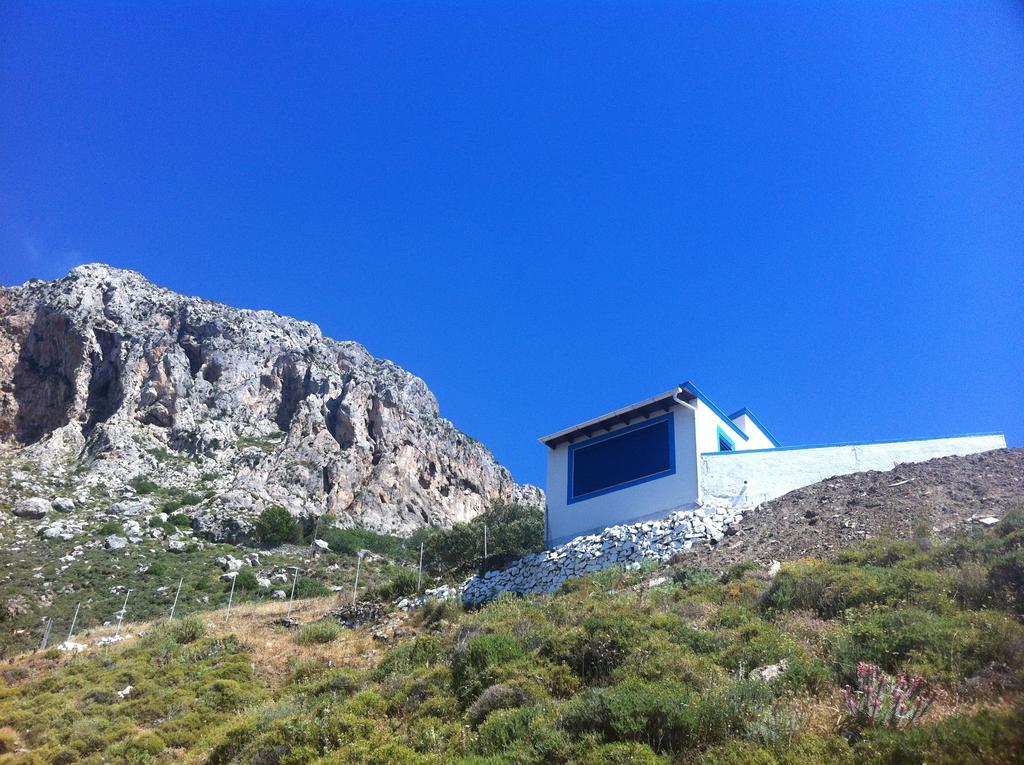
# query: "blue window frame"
x,y
725,444
623,458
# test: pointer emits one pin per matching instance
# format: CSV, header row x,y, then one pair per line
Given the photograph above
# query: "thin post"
x,y
175,603
231,597
355,587
419,577
46,634
295,579
312,545
73,620
120,618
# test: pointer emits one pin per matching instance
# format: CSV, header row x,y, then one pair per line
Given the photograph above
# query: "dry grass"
x,y
257,625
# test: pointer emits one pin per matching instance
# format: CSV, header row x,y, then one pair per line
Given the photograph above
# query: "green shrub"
x,y
317,633
307,587
351,541
622,754
399,583
493,698
994,738
143,485
473,667
8,740
694,577
938,647
180,520
512,531
1006,579
110,527
246,580
830,589
596,647
275,526
523,735
187,630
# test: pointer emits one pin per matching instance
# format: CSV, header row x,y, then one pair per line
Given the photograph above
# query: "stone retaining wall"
x,y
628,544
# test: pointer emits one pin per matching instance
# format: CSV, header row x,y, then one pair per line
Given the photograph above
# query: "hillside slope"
x,y
937,499
105,377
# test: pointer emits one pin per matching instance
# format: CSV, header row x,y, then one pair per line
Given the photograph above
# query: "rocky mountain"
x,y
109,382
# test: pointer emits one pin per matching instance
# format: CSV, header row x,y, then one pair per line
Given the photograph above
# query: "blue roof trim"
x,y
710,404
757,422
853,443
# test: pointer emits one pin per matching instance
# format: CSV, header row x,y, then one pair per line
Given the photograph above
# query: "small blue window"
x,y
725,444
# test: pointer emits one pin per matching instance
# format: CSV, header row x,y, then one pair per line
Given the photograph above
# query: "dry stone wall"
x,y
657,540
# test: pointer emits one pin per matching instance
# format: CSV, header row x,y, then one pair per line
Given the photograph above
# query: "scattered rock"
x,y
32,507
770,672
63,504
114,542
177,545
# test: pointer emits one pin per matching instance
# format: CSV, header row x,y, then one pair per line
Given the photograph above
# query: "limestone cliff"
x,y
108,377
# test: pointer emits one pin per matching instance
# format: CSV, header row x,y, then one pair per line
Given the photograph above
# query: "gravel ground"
x,y
943,495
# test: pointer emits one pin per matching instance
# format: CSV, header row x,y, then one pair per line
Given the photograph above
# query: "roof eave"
x,y
619,417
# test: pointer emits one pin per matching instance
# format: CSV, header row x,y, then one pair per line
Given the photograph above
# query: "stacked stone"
x,y
628,545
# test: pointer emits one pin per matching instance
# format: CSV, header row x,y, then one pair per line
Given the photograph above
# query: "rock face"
x,y
107,374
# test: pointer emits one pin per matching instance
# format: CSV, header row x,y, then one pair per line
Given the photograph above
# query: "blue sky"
x,y
549,210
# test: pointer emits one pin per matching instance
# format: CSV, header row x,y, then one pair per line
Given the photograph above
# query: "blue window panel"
x,y
725,444
625,457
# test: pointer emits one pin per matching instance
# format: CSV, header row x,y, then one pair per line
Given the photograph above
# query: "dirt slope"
x,y
942,495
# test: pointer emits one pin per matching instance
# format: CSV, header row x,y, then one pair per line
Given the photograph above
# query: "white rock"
x,y
33,507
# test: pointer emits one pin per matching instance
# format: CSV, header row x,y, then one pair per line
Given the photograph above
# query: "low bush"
x,y
317,633
143,485
512,531
275,526
473,667
187,630
351,541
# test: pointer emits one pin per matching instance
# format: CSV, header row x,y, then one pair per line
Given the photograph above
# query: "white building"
x,y
678,449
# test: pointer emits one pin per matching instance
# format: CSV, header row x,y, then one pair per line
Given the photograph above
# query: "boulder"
x,y
63,504
114,542
32,507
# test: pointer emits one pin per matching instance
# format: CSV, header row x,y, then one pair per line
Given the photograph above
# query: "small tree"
x,y
275,526
512,531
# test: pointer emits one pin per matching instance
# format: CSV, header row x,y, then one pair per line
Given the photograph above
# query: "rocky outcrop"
x,y
106,374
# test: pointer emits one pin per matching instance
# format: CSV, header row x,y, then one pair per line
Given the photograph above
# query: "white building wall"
x,y
756,476
652,499
708,423
758,440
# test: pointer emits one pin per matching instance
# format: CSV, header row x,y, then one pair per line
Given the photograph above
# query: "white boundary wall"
x,y
745,478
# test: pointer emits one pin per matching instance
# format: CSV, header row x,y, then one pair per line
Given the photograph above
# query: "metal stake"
x,y
419,577
120,618
73,620
231,597
295,579
175,603
355,587
46,634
